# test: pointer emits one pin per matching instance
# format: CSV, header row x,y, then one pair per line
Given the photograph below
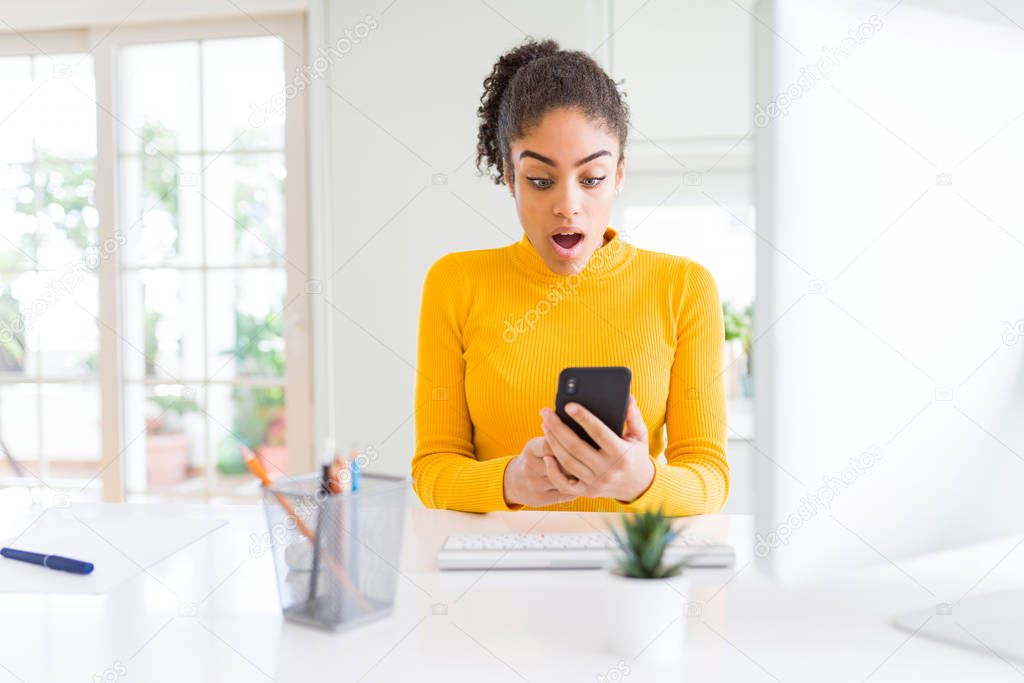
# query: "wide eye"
x,y
593,181
539,183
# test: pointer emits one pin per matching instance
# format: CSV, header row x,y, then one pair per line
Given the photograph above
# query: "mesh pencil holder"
x,y
336,557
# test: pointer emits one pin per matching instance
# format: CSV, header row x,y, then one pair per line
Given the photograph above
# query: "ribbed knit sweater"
x,y
497,326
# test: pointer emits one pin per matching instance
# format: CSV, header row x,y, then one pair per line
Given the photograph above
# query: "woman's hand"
x,y
526,477
622,469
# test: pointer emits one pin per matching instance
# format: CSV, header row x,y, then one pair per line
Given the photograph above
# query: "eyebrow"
x,y
549,162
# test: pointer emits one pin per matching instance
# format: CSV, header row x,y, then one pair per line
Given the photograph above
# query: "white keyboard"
x,y
567,551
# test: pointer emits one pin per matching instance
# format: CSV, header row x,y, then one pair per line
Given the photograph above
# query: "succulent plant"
x,y
643,542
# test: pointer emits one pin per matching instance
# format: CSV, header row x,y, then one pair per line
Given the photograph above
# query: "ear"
x,y
620,173
510,181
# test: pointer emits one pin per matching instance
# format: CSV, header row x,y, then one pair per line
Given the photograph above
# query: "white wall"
x,y
404,108
687,67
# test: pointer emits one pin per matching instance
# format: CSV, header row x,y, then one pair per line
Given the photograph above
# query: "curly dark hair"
x,y
532,79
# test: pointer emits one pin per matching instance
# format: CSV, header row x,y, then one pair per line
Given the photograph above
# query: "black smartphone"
x,y
602,391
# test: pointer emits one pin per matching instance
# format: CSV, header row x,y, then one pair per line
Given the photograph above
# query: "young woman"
x,y
498,325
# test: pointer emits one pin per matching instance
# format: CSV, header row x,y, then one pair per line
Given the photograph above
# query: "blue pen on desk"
x,y
64,564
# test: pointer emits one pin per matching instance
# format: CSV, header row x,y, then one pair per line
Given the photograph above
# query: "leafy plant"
x,y
172,409
67,191
643,542
160,178
737,322
258,351
739,325
258,411
259,346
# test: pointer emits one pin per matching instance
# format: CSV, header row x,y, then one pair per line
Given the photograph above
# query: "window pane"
x,y
48,324
707,234
246,323
17,216
19,424
164,426
16,131
160,210
159,91
163,317
203,283
67,216
71,429
245,209
21,306
243,94
48,253
64,107
253,416
65,319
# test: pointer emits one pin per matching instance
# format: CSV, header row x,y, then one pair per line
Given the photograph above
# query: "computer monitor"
x,y
889,322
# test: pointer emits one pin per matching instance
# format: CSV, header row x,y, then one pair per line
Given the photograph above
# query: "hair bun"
x,y
495,86
510,62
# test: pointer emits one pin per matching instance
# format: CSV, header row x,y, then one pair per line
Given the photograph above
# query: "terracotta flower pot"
x,y
166,459
274,459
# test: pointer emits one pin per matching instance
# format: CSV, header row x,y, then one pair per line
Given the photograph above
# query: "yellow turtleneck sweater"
x,y
496,328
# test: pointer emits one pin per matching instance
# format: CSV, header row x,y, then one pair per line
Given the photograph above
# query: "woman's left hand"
x,y
622,469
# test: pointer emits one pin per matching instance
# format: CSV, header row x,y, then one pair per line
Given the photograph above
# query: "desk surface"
x,y
210,613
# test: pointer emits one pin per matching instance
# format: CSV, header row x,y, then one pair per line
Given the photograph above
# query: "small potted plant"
x,y
167,445
651,596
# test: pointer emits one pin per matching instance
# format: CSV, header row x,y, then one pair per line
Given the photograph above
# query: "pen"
x,y
65,564
325,489
355,470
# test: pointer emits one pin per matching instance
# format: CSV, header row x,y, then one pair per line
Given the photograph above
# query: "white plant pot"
x,y
647,618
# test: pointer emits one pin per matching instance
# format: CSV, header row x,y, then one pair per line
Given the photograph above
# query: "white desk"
x,y
210,613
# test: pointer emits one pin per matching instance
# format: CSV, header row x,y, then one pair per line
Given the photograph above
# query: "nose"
x,y
567,203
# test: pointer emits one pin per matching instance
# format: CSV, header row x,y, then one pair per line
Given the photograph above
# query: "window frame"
x,y
103,43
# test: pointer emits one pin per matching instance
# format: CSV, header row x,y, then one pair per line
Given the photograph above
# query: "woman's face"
x,y
567,169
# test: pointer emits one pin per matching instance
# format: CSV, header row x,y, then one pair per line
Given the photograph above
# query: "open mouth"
x,y
567,243
567,240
